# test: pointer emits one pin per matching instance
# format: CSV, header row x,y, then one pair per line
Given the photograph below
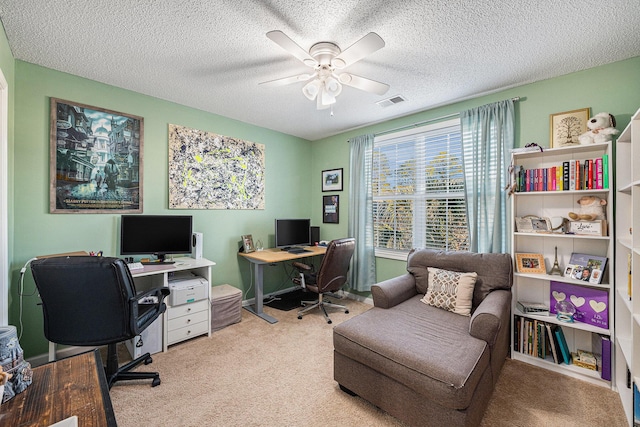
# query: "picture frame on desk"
x,y
247,243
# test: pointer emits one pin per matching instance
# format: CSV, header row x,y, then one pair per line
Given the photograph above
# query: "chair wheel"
x,y
299,317
329,321
156,382
148,360
346,312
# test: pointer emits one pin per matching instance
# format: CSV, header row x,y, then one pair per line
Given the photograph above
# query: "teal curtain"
x,y
360,225
487,141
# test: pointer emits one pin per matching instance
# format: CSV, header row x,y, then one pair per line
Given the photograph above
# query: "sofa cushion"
x,y
495,271
425,348
450,290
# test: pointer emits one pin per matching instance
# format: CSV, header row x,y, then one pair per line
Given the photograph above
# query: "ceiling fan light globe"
x,y
310,62
311,89
332,86
327,98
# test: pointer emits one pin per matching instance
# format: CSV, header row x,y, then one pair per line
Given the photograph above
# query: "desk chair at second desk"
x,y
272,256
330,277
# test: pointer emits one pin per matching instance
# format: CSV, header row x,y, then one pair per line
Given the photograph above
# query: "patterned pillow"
x,y
450,290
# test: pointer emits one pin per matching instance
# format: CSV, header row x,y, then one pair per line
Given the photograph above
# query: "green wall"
x,y
614,88
37,232
291,191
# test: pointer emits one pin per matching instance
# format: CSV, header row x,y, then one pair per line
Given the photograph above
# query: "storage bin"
x,y
226,306
149,340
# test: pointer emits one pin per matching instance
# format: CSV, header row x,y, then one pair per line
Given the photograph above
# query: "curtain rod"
x,y
436,119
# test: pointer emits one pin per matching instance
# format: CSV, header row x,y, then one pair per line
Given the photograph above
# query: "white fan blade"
x,y
354,53
282,40
287,80
363,83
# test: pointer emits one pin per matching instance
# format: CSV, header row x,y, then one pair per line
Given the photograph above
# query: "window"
x,y
418,190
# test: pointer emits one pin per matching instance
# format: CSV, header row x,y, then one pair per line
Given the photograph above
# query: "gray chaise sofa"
x,y
425,365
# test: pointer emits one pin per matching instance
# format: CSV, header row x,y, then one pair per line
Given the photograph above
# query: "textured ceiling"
x,y
211,55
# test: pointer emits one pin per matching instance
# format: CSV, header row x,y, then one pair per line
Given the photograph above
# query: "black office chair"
x,y
330,277
92,301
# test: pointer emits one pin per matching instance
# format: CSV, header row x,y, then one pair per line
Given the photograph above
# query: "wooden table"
x,y
272,256
73,386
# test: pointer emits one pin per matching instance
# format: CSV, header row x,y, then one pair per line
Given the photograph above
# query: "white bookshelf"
x,y
535,287
627,309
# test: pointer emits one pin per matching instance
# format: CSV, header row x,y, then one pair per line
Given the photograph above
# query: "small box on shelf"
x,y
588,228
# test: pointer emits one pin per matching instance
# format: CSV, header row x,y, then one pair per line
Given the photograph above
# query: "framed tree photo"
x,y
565,128
332,180
95,159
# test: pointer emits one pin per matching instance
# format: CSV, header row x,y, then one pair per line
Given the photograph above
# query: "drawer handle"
x,y
189,309
188,332
188,320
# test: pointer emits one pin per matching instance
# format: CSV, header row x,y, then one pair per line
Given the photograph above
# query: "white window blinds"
x,y
418,190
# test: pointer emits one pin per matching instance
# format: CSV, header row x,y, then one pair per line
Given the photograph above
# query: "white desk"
x,y
270,256
183,321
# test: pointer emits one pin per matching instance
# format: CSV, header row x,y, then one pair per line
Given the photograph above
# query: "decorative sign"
x,y
590,228
592,305
211,171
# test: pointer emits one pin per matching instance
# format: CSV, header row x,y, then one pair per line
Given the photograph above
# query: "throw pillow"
x,y
450,290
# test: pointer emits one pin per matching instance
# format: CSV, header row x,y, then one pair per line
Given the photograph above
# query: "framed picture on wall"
x,y
95,159
565,128
332,180
330,209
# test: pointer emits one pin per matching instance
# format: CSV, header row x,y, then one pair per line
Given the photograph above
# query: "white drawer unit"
x,y
181,321
187,321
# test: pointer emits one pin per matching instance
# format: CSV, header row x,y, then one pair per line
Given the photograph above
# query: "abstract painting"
x,y
212,171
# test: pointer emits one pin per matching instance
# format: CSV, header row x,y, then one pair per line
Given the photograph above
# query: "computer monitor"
x,y
157,235
293,232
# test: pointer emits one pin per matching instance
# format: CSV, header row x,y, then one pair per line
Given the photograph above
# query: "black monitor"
x,y
293,232
157,235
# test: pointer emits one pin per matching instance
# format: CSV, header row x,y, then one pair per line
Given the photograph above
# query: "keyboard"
x,y
135,265
297,250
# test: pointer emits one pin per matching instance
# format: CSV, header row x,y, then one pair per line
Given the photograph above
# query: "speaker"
x,y
315,235
196,246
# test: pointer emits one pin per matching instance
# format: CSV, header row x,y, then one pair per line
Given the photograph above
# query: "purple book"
x,y
601,348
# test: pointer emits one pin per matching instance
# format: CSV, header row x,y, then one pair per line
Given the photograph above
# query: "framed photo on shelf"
x,y
332,180
330,209
533,224
565,128
588,268
247,243
530,263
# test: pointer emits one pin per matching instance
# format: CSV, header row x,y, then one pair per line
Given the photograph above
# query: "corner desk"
x,y
272,256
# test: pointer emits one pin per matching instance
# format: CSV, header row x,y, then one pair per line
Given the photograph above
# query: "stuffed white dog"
x,y
601,129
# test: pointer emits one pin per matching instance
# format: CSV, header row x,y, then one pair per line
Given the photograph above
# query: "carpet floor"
x,y
258,374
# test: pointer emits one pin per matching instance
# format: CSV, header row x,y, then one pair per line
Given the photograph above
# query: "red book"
x,y
578,182
590,182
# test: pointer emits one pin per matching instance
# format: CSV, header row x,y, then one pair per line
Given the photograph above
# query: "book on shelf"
x,y
587,174
601,348
553,344
562,343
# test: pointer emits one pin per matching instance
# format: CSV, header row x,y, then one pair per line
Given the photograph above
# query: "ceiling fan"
x,y
324,84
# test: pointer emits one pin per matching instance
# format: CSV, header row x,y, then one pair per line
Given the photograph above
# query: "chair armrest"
x,y
301,266
491,316
392,292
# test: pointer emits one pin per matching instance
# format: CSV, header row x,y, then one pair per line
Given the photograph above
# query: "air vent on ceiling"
x,y
391,101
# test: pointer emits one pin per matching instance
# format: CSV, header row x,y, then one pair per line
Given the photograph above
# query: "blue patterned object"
x,y
12,361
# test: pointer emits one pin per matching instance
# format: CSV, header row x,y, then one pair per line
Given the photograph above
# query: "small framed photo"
x,y
530,263
247,243
565,128
332,180
533,224
330,209
568,271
